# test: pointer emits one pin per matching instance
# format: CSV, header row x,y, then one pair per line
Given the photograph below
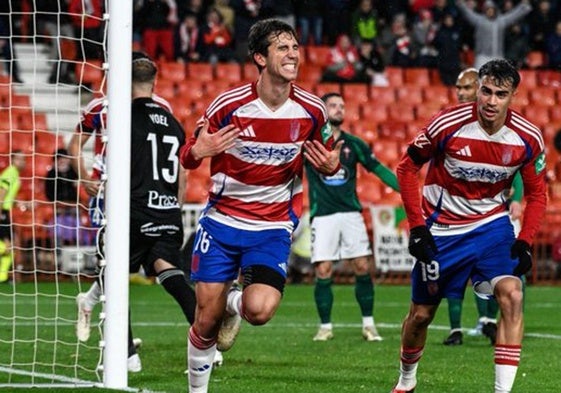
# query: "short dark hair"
x,y
501,71
144,69
327,96
260,33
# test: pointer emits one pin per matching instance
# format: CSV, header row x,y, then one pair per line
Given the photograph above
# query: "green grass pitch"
x,y
281,356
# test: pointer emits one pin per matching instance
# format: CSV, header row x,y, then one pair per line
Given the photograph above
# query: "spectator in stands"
x,y
553,48
87,20
424,31
9,187
195,7
516,45
190,39
53,21
448,44
344,62
364,22
399,47
440,9
217,39
490,28
7,49
247,13
336,19
227,12
309,19
542,23
371,64
279,9
157,19
61,188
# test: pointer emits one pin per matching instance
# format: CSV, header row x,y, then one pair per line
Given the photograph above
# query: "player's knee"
x,y
259,317
420,317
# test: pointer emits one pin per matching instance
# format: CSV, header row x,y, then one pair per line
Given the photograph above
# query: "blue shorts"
x,y
220,251
479,255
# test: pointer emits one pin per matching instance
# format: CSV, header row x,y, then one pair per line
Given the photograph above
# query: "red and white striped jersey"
x,y
471,172
257,184
93,120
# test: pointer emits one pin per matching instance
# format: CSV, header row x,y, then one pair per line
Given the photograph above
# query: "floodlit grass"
x,y
281,356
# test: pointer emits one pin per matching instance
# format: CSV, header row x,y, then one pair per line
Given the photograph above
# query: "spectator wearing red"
x,y
157,21
343,63
87,20
217,39
190,39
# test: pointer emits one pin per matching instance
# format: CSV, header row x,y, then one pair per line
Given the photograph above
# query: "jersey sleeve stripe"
x,y
310,99
447,120
228,97
528,128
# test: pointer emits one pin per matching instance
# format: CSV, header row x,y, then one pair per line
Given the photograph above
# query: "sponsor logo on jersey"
x,y
421,141
540,163
161,202
338,179
155,230
464,151
478,174
257,152
248,132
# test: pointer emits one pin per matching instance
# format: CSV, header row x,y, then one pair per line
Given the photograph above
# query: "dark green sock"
x,y
364,293
455,313
481,305
324,298
492,308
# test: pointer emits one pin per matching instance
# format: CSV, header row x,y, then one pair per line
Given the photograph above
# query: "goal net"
x,y
54,65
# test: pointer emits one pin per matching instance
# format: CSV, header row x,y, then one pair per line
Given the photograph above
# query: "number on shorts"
x,y
430,271
203,242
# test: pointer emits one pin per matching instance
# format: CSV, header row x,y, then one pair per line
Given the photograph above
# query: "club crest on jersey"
x,y
326,132
294,130
507,156
540,163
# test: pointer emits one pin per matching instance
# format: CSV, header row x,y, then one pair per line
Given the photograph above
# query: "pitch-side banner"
x,y
390,239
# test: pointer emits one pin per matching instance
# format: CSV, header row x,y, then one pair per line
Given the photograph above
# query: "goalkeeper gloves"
x,y
521,250
421,244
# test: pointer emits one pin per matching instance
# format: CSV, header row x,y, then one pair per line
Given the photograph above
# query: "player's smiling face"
x,y
283,57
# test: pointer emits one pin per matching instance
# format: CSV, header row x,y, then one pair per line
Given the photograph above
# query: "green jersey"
x,y
9,180
337,193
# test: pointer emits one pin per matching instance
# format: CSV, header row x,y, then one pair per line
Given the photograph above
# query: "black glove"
x,y
421,244
521,250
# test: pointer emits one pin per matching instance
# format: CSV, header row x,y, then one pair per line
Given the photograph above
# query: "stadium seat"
x,y
528,79
537,114
215,88
555,114
395,76
368,191
324,88
544,96
375,112
191,90
382,95
416,76
409,95
396,130
89,72
250,72
165,88
200,71
171,71
522,97
22,140
425,111
549,78
230,72
401,112
318,55
356,92
438,94
309,73
352,111
387,151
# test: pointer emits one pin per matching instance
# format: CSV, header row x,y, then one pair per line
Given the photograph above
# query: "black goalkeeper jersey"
x,y
155,168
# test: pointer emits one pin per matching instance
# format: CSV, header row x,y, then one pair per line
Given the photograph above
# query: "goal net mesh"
x,y
53,67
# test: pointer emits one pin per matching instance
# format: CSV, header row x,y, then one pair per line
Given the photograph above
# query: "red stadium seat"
x,y
382,95
352,111
409,95
318,55
309,73
535,59
537,114
417,76
201,71
89,72
356,92
402,112
230,72
528,79
324,88
250,72
549,78
438,94
543,96
396,130
426,111
395,76
165,88
172,71
375,112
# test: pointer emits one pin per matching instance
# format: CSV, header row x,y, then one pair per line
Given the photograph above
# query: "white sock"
x,y
367,321
199,364
328,326
504,377
93,294
234,303
407,376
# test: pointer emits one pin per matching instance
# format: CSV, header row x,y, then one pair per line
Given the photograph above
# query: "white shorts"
x,y
339,236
